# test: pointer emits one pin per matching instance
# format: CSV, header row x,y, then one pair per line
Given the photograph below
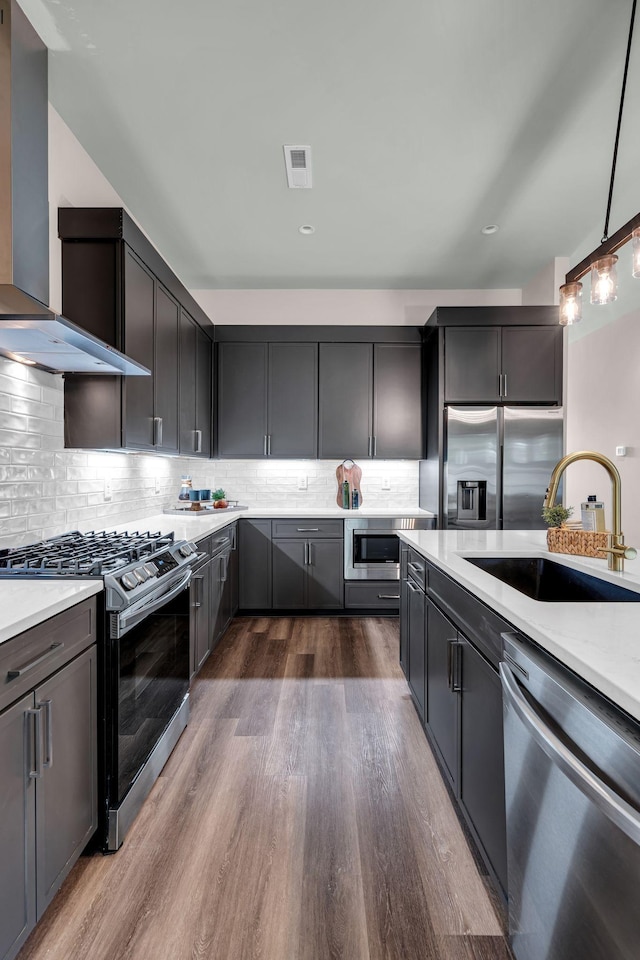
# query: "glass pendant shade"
x,y
635,251
604,279
570,303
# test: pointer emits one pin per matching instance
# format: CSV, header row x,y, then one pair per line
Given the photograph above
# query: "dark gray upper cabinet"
x,y
397,401
117,286
139,308
345,426
242,399
195,389
267,399
472,364
165,372
516,364
292,404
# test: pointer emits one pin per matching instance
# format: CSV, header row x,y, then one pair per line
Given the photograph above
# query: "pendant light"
x,y
602,263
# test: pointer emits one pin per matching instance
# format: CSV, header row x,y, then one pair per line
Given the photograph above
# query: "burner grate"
x,y
76,554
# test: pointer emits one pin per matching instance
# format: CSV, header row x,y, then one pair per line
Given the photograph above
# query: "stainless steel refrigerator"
x,y
497,465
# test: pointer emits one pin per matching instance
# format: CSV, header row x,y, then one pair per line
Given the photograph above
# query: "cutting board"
x,y
351,472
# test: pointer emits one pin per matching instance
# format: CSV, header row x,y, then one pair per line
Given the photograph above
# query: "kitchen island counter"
x,y
600,641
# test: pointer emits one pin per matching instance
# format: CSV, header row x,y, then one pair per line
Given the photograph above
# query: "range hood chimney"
x,y
29,331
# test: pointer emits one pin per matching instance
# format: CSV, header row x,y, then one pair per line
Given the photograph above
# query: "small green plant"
x,y
219,494
556,516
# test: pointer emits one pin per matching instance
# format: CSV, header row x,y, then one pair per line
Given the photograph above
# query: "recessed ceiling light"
x,y
490,229
306,229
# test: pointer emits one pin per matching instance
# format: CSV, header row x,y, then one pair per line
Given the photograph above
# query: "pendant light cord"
x,y
605,236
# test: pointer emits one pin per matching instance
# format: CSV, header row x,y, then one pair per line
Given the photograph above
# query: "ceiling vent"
x,y
298,163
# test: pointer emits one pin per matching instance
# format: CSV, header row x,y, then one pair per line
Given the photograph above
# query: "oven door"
x,y
375,555
147,682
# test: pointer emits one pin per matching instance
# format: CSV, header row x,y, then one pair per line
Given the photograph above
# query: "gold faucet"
x,y
616,548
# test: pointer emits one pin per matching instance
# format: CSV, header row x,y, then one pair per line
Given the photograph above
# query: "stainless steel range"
x,y
144,656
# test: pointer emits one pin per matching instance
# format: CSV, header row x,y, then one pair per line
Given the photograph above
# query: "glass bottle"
x,y
185,486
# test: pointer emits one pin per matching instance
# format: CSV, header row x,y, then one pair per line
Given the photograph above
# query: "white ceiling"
x,y
427,120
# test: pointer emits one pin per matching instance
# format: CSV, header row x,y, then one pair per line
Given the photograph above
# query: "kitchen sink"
x,y
543,579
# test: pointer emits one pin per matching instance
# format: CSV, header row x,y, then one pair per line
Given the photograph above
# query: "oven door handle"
x,y
131,617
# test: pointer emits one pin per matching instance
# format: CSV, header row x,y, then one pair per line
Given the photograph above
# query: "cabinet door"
x,y
242,399
325,583
289,574
17,828
293,400
254,538
234,571
482,756
167,348
216,612
226,603
472,364
397,401
139,309
202,627
67,792
204,393
417,602
404,609
532,364
188,377
442,702
346,400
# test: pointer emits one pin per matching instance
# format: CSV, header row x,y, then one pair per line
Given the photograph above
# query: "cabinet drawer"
x,y
306,529
480,624
417,568
384,594
39,652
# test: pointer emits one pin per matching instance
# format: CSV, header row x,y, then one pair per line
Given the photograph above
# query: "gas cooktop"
x,y
76,554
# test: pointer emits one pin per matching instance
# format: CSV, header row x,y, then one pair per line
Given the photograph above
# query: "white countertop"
x,y
25,603
599,641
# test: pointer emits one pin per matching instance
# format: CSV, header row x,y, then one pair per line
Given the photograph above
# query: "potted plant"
x,y
557,515
219,499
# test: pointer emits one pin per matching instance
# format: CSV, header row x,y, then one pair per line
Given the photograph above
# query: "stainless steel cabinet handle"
x,y
504,385
268,444
412,587
308,529
388,596
224,568
416,567
34,715
374,445
157,430
615,808
198,443
369,446
20,671
453,665
234,538
306,553
197,579
48,736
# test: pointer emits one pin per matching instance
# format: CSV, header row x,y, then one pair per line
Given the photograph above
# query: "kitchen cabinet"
x,y
48,764
307,564
196,398
416,644
404,608
267,400
254,545
370,400
200,626
116,286
510,364
443,684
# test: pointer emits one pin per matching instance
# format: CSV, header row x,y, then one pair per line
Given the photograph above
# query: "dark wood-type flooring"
x,y
300,817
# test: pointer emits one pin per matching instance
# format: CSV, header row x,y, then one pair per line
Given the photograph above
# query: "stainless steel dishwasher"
x,y
573,814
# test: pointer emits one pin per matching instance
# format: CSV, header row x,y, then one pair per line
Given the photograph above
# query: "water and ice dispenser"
x,y
472,499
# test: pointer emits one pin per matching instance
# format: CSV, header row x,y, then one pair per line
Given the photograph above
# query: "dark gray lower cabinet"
x,y
200,628
307,574
441,680
254,540
416,644
404,609
48,767
482,756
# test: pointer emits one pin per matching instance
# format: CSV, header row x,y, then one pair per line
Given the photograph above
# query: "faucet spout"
x,y
616,549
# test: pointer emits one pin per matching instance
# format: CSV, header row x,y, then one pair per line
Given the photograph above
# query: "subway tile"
x,y
54,519
27,506
9,438
13,491
52,443
70,458
33,408
52,428
43,458
12,473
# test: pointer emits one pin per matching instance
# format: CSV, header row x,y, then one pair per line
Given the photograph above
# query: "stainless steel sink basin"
x,y
543,579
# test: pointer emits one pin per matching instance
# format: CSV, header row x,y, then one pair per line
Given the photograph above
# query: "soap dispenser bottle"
x,y
592,514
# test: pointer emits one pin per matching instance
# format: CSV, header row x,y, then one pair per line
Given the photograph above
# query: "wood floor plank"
x,y
300,817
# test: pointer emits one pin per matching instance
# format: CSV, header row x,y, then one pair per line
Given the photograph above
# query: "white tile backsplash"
x,y
45,489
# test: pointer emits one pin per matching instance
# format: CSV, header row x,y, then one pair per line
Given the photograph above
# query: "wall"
x,y
341,307
544,288
603,399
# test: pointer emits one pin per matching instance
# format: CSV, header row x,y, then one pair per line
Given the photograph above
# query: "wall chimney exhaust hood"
x,y
30,332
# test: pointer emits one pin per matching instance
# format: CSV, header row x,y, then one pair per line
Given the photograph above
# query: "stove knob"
x,y
128,581
151,569
141,574
185,550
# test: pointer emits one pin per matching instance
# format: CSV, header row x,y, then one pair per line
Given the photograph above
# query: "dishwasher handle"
x,y
617,810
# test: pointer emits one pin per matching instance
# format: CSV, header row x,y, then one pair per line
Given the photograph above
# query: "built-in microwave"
x,y
372,547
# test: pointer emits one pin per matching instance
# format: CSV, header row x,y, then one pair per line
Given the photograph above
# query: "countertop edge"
x,y
59,595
